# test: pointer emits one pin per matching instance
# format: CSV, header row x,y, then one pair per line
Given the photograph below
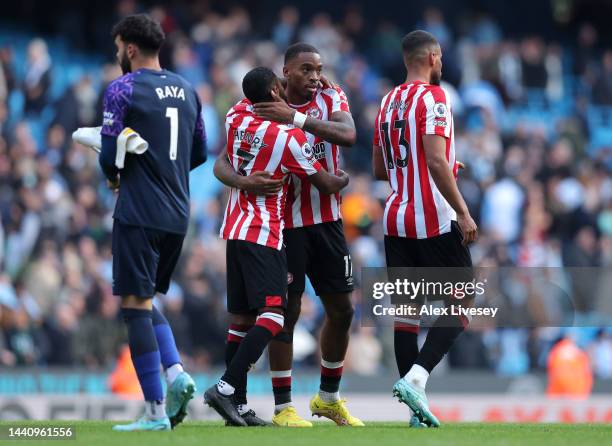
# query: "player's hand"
x,y
113,185
468,228
277,111
460,165
325,83
344,176
261,183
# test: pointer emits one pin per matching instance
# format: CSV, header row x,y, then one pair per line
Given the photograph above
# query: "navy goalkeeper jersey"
x,y
165,110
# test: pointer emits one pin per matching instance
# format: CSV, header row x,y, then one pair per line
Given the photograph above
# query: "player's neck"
x,y
297,99
415,76
148,63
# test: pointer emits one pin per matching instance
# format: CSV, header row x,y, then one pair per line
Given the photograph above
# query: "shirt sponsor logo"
x,y
319,151
108,118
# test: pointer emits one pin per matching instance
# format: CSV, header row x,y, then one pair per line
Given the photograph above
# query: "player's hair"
x,y
298,48
257,84
142,31
416,43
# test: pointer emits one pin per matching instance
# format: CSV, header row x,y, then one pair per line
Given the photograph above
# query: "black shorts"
x,y
425,256
444,250
319,251
143,259
256,277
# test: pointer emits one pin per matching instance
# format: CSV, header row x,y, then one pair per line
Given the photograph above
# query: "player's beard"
x,y
124,63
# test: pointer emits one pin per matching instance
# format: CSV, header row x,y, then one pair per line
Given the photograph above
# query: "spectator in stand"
x,y
533,65
585,53
60,329
285,31
38,77
602,88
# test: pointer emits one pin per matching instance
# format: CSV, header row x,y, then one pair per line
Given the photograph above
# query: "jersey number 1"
x,y
172,114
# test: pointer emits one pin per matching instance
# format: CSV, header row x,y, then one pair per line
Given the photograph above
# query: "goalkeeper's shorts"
x,y
143,259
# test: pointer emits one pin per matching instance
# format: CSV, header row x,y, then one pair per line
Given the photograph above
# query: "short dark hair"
x,y
141,30
257,84
298,48
414,43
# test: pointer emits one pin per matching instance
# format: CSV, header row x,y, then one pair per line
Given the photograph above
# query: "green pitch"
x,y
94,433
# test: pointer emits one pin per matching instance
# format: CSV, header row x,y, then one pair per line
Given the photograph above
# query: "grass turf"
x,y
93,433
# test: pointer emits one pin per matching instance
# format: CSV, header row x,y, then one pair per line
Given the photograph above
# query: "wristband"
x,y
299,119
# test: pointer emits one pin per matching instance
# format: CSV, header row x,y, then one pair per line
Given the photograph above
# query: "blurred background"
x,y
532,99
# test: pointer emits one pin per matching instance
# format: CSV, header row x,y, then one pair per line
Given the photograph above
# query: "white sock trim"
x,y
280,407
417,375
278,318
241,334
225,388
280,373
329,397
155,410
173,372
331,365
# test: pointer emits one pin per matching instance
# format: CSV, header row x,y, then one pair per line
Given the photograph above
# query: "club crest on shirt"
x,y
439,110
314,112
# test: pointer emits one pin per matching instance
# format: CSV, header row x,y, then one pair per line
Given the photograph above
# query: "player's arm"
x,y
115,107
436,122
339,129
199,150
108,153
299,160
435,154
378,164
328,183
258,183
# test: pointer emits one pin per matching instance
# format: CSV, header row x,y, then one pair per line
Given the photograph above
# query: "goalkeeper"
x,y
152,210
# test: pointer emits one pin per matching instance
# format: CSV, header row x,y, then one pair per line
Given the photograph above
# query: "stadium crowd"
x,y
527,116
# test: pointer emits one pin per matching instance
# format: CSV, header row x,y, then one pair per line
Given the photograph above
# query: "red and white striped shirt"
x,y
305,204
415,208
255,145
